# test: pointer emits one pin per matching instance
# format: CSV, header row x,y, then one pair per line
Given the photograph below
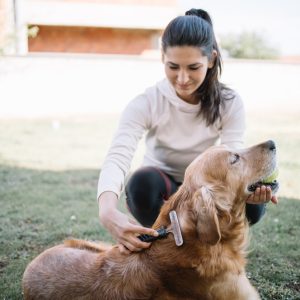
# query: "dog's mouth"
x,y
269,181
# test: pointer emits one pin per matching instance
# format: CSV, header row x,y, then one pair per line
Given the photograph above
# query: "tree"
x,y
248,45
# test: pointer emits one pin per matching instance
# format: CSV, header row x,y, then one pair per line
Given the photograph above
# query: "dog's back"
x,y
57,268
87,245
84,270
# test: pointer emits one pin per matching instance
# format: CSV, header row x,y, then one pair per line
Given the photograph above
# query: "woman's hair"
x,y
196,29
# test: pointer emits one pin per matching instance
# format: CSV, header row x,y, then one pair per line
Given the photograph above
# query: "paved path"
x,y
51,85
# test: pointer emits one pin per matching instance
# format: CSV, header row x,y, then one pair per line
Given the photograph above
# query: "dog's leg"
x,y
246,290
234,286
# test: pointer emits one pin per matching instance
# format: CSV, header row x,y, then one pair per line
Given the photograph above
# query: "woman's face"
x,y
186,68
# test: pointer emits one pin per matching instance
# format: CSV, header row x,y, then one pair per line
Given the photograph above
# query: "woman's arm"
x,y
134,122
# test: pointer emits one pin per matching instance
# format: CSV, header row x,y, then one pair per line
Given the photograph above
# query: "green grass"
x,y
274,260
48,180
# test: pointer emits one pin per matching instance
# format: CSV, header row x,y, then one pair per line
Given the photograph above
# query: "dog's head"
x,y
216,186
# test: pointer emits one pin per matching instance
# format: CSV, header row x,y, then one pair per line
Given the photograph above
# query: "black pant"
x,y
147,189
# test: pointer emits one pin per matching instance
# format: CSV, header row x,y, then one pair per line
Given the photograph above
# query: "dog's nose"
x,y
271,145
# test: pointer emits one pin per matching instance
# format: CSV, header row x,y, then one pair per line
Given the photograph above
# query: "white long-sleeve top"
x,y
175,135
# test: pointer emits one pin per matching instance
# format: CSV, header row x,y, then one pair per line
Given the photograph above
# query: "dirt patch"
x,y
294,286
3,264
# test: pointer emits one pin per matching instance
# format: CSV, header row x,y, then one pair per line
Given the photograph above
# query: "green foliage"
x,y
33,31
10,40
248,45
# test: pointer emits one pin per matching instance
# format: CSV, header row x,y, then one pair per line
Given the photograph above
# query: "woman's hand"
x,y
121,227
261,195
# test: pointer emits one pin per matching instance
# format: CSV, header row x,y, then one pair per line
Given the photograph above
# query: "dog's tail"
x,y
86,245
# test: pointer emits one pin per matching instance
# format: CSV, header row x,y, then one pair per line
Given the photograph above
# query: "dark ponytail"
x,y
199,13
196,29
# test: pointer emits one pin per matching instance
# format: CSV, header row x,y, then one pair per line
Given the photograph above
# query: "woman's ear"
x,y
207,222
162,57
212,59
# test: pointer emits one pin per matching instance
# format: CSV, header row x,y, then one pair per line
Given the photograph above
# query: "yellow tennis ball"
x,y
272,177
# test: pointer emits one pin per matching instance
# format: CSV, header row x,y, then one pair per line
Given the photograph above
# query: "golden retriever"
x,y
210,264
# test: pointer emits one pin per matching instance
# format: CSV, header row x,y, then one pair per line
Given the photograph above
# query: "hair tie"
x,y
196,12
199,13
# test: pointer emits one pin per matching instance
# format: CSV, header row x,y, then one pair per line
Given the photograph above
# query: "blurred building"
x,y
93,26
6,25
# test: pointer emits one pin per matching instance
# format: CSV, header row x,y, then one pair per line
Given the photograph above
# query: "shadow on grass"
x,y
42,208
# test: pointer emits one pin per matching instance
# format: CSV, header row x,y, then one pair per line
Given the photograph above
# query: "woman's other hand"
x,y
261,195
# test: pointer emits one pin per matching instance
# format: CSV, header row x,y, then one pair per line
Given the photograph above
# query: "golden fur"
x,y
210,264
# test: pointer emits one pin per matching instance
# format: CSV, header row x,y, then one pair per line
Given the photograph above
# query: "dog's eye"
x,y
234,158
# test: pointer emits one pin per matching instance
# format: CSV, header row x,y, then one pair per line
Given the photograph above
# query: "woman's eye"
x,y
234,158
173,68
194,69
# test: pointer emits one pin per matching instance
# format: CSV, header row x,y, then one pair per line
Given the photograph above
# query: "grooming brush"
x,y
163,232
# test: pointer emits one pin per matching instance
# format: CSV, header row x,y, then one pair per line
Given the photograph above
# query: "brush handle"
x,y
162,233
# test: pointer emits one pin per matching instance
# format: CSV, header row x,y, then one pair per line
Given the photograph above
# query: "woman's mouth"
x,y
183,86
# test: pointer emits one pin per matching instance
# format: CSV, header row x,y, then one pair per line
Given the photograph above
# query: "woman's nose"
x,y
182,77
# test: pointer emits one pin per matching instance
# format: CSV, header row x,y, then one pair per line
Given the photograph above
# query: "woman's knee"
x,y
144,188
255,212
145,193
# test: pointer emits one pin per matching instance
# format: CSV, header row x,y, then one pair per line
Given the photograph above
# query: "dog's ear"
x,y
207,222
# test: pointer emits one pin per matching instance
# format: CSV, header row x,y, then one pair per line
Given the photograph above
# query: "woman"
x,y
182,116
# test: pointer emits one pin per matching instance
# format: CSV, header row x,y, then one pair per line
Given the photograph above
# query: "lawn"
x,y
48,176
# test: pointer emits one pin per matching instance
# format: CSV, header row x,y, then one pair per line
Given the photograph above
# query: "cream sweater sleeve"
x,y
233,123
134,122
